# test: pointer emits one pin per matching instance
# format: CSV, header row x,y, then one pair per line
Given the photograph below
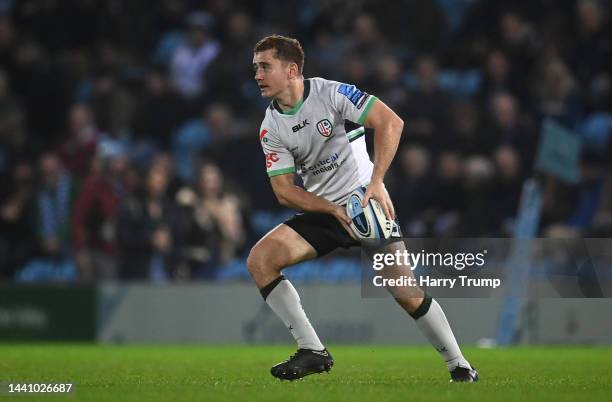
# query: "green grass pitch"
x,y
361,373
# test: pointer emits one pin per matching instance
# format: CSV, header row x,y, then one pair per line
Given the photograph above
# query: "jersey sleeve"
x,y
352,103
278,158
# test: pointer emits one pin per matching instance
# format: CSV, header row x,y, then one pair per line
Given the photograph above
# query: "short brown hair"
x,y
287,49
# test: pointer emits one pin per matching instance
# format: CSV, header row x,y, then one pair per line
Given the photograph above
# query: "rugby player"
x,y
304,132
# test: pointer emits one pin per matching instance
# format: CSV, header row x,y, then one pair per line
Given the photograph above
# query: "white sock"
x,y
435,327
284,300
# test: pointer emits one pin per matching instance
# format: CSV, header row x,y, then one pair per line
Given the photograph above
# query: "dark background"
x,y
128,130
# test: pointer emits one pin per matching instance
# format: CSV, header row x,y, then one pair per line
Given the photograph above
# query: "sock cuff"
x,y
266,290
423,308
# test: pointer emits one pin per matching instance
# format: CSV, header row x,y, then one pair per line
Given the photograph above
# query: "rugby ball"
x,y
367,222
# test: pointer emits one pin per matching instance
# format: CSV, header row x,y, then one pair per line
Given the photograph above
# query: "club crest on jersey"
x,y
324,127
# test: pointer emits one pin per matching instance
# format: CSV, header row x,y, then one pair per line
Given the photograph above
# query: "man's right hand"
x,y
339,213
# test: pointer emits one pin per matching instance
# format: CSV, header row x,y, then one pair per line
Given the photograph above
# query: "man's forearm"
x,y
386,141
297,198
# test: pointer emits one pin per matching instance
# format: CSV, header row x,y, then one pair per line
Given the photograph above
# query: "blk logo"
x,y
300,126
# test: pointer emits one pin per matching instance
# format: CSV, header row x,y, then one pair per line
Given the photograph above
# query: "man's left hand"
x,y
378,191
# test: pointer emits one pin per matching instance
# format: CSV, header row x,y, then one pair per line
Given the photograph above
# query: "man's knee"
x,y
411,304
259,261
253,260
410,298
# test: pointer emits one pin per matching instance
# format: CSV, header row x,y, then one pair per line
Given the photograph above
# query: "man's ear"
x,y
294,71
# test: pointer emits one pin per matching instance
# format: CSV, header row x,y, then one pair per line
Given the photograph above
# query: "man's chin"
x,y
266,93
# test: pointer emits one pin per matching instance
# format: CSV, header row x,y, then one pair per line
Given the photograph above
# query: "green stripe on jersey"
x,y
364,114
356,133
278,172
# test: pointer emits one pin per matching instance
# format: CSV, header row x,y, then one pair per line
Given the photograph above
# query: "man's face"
x,y
272,74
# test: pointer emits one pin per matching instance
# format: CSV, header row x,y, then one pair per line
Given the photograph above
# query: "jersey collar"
x,y
298,105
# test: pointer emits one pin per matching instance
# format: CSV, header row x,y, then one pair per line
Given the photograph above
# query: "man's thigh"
x,y
279,248
322,231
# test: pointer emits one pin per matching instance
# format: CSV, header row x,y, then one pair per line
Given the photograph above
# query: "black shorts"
x,y
324,232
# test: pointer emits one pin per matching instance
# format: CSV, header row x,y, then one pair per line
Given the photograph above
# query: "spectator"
x,y
506,188
16,221
53,207
556,93
591,54
508,127
229,75
95,213
111,104
478,219
327,53
519,41
498,77
414,190
14,143
449,193
164,161
355,71
214,223
465,133
369,44
592,49
146,231
159,111
224,124
206,135
389,86
192,59
427,105
79,148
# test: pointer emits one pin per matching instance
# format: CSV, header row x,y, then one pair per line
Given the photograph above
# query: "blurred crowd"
x,y
128,129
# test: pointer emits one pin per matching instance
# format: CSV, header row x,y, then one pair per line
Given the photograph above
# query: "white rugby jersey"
x,y
311,139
